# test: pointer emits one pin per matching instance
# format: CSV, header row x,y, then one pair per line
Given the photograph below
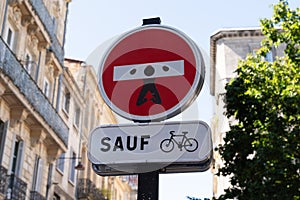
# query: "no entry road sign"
x,y
151,73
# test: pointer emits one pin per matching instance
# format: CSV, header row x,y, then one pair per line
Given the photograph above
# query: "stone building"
x,y
227,47
47,107
33,134
95,112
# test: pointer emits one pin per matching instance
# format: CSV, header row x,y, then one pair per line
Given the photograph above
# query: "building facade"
x,y
227,47
33,134
95,112
48,106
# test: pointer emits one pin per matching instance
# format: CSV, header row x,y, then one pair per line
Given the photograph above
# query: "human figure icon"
x,y
149,86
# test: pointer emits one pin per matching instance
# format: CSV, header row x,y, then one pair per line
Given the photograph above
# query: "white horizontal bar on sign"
x,y
149,70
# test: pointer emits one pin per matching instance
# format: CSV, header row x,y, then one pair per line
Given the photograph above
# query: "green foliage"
x,y
106,193
261,152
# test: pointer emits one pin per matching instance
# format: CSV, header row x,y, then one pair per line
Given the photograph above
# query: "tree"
x,y
261,152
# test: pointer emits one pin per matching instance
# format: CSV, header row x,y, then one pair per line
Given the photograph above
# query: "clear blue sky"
x,y
91,22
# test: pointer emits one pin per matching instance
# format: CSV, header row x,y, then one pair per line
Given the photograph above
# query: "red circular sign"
x,y
151,73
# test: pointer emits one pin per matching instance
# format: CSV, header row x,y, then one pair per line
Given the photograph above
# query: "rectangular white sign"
x,y
149,70
159,144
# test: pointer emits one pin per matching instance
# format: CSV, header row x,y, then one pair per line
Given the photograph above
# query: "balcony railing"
x,y
12,68
34,195
3,180
87,189
16,188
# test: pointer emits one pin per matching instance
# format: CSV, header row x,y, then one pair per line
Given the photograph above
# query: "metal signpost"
x,y
150,74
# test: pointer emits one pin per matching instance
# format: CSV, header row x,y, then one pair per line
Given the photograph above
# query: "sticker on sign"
x,y
139,148
149,70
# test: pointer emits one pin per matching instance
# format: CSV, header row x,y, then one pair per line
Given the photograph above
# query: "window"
x,y
17,157
254,51
269,56
60,163
72,168
38,172
49,179
66,105
56,196
3,131
10,37
46,89
77,117
29,63
86,115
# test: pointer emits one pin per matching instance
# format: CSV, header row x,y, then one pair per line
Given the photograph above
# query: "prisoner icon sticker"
x,y
151,73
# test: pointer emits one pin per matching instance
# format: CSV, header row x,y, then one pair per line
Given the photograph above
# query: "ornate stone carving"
x,y
26,20
14,2
53,153
50,70
2,89
49,56
43,45
56,7
32,29
17,15
17,114
37,136
34,41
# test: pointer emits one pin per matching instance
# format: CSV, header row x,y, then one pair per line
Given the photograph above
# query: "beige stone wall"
x,y
95,113
19,129
76,102
2,9
228,50
27,122
228,46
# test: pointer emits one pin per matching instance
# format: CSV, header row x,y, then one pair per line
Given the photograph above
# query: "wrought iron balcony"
x,y
87,189
3,180
12,68
16,188
34,195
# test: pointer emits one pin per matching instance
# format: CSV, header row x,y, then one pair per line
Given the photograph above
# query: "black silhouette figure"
x,y
149,86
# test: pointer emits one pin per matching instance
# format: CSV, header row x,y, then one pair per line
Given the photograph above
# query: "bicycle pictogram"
x,y
189,144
